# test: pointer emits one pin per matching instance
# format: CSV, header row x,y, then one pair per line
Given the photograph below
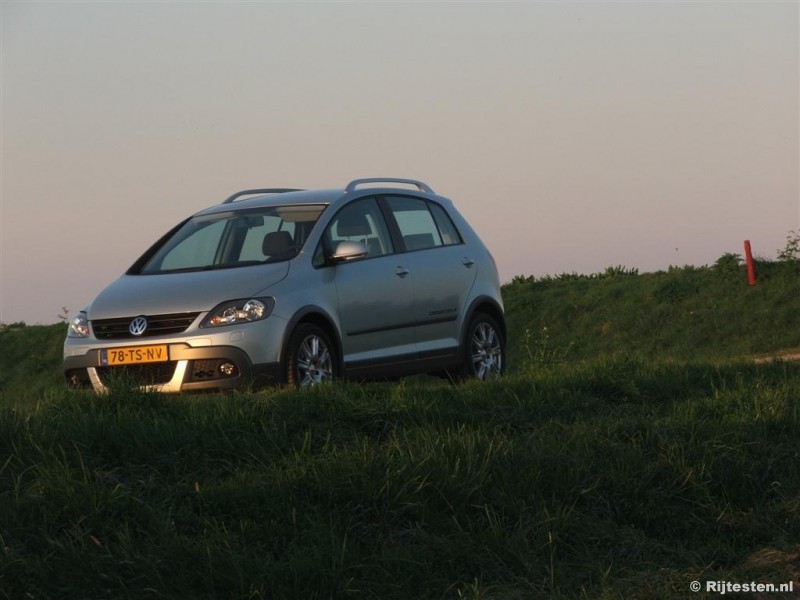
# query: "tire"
x,y
484,349
310,357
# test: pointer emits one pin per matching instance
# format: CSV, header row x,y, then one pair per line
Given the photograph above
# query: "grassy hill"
x,y
634,447
688,313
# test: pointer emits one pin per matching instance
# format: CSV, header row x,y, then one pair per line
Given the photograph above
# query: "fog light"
x,y
227,369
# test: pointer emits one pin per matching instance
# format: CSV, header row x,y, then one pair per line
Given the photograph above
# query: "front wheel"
x,y
310,357
484,349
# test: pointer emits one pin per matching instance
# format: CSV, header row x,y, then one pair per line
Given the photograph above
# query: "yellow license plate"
x,y
134,355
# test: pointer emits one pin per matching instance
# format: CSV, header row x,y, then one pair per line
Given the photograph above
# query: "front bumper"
x,y
188,369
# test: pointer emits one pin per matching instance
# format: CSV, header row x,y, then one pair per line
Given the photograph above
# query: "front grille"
x,y
135,375
117,329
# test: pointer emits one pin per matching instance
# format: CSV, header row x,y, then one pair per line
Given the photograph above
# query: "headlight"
x,y
79,327
235,312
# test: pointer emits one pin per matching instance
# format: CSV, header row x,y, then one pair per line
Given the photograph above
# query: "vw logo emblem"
x,y
137,326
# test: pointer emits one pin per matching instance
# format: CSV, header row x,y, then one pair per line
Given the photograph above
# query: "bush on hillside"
x,y
791,251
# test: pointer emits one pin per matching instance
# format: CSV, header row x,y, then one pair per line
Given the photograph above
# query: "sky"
x,y
573,136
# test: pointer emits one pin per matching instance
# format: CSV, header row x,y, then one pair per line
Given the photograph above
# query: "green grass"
x,y
30,361
619,473
706,314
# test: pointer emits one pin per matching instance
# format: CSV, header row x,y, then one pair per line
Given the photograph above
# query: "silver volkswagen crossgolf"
x,y
381,279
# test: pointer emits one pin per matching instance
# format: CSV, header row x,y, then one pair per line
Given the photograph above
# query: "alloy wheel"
x,y
314,363
486,351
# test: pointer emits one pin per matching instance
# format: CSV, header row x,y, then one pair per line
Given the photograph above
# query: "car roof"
x,y
263,198
299,197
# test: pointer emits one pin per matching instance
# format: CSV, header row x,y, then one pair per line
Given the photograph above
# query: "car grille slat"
x,y
146,374
117,329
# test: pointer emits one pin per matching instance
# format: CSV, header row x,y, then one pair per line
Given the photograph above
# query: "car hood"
x,y
197,291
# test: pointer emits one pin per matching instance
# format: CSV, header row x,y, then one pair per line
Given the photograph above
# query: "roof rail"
x,y
264,191
422,187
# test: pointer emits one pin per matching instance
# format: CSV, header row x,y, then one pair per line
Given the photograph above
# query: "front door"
x,y
375,295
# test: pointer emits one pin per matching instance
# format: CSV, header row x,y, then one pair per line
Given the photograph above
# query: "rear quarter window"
x,y
450,235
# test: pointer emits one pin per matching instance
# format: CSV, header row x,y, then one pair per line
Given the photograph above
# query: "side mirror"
x,y
345,251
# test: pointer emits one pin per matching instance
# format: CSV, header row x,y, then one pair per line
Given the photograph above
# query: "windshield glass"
x,y
234,238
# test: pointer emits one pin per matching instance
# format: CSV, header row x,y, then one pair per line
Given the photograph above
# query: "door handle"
x,y
401,271
467,262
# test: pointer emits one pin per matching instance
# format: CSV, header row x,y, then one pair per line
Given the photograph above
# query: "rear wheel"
x,y
310,357
484,349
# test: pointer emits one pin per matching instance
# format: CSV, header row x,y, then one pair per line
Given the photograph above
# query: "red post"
x,y
751,270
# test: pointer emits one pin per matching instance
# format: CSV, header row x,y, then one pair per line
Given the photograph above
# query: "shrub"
x,y
728,264
791,251
619,271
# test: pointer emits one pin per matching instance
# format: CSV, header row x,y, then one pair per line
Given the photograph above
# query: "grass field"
x,y
633,447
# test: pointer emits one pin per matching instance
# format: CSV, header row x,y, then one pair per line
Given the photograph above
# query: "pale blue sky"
x,y
573,136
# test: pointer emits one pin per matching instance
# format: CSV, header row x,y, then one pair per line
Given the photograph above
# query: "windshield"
x,y
234,238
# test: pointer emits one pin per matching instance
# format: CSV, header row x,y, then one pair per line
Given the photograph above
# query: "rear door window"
x,y
415,222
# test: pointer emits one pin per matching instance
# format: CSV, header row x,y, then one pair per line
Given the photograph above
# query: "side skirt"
x,y
407,364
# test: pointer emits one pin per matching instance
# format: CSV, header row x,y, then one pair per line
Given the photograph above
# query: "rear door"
x,y
440,268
